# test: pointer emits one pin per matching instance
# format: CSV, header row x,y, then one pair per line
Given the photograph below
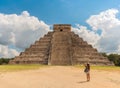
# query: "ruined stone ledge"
x,y
38,46
94,63
38,42
34,49
83,49
33,53
45,39
90,57
29,62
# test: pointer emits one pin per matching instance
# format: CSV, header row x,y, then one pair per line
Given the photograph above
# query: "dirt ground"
x,y
59,77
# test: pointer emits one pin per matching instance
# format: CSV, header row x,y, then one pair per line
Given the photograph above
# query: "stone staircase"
x,y
61,48
83,52
38,53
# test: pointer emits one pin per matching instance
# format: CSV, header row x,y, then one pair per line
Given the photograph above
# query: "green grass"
x,y
10,68
104,68
6,68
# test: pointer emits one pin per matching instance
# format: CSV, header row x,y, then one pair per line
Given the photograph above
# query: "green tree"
x,y
4,60
115,58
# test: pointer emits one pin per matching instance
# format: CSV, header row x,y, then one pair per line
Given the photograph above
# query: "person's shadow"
x,y
82,82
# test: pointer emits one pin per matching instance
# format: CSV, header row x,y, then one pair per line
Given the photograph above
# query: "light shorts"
x,y
87,72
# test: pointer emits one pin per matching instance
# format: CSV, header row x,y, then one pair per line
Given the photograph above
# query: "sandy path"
x,y
59,77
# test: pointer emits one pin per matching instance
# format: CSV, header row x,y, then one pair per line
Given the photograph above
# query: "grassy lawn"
x,y
10,68
6,68
104,68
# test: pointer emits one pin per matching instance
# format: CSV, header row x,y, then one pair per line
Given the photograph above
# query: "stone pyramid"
x,y
60,47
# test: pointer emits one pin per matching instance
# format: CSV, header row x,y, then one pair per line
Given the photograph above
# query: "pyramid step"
x,y
49,33
45,39
93,62
38,42
39,46
33,53
36,49
36,52
29,62
77,39
84,48
47,36
82,52
88,53
89,57
32,56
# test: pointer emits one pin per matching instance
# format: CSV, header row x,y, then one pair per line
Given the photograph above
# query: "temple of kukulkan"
x,y
60,47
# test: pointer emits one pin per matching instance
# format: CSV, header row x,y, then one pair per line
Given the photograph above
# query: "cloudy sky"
x,y
22,22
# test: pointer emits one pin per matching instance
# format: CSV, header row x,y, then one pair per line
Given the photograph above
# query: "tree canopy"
x,y
115,58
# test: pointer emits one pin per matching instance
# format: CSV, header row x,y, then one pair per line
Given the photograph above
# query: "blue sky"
x,y
59,11
22,22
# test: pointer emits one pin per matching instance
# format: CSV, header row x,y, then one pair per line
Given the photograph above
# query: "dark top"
x,y
87,68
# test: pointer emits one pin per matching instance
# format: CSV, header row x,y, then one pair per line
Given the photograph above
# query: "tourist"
x,y
87,71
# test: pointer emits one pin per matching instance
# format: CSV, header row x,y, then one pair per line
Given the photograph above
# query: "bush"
x,y
4,60
115,58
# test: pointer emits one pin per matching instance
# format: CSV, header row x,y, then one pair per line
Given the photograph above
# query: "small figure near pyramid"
x,y
60,47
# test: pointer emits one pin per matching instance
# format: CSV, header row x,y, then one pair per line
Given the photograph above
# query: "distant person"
x,y
87,71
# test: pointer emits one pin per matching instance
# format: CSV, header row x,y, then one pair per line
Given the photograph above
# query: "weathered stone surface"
x,y
61,47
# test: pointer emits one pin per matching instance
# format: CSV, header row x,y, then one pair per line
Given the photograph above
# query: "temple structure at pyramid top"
x,y
60,47
62,27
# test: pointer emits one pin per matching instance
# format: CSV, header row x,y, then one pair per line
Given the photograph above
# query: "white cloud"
x,y
20,31
106,20
109,24
7,52
90,36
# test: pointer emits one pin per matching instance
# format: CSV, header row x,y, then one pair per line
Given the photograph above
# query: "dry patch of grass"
x,y
9,68
104,68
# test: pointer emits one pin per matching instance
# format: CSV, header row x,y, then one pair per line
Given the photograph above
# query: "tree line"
x,y
4,60
115,58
